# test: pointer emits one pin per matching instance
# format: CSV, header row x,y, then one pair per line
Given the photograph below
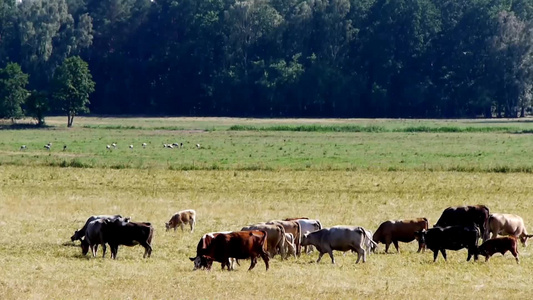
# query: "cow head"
x,y
167,226
201,262
76,236
524,238
84,247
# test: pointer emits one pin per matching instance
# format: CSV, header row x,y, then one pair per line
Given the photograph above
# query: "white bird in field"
x,y
108,147
47,147
131,146
144,145
23,147
64,147
198,146
114,145
170,146
165,145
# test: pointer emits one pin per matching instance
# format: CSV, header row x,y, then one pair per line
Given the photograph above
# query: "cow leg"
x,y
435,254
265,258
359,253
396,246
387,244
147,249
320,256
254,262
181,226
331,256
93,252
104,248
443,251
192,225
514,252
487,258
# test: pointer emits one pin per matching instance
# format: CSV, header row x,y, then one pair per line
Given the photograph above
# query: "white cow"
x,y
508,224
307,225
290,247
340,238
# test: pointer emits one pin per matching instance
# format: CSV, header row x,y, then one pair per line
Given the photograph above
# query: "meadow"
x,y
239,177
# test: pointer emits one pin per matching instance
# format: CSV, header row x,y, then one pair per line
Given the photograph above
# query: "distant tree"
x,y
37,105
12,91
72,85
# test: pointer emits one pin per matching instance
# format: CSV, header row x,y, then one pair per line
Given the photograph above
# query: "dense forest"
x,y
276,58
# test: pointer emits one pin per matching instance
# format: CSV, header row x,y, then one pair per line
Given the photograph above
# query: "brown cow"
x,y
499,245
239,245
181,218
508,224
205,241
275,237
294,228
394,231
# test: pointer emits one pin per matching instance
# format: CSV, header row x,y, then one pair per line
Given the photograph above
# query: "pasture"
x,y
242,177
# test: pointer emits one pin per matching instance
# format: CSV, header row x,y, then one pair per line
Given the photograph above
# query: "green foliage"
x,y
37,106
13,91
72,86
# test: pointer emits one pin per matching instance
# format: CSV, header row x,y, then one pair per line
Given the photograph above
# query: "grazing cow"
x,y
94,237
294,228
499,245
239,245
451,238
79,234
466,216
508,224
290,248
205,241
340,238
306,225
394,231
275,237
181,218
117,232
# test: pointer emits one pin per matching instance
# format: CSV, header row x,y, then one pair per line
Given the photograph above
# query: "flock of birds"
x,y
114,146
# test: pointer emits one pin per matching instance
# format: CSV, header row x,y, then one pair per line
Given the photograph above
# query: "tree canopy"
x,y
290,58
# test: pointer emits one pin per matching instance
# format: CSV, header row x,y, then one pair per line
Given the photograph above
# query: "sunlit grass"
x,y
40,207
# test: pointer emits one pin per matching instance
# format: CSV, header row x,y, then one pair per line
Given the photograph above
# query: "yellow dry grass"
x,y
40,207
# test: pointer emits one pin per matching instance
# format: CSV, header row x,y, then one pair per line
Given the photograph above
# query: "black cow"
x,y
79,234
451,238
117,232
466,216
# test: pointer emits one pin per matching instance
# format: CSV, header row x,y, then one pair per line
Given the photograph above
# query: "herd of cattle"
x,y
457,228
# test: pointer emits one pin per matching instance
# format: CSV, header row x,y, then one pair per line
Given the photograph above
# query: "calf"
x,y
79,234
239,245
340,238
181,218
451,238
394,231
499,245
508,224
128,234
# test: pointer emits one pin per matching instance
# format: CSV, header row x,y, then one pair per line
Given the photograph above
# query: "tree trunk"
x,y
522,112
69,120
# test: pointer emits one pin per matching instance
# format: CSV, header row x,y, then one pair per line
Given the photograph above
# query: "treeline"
x,y
281,58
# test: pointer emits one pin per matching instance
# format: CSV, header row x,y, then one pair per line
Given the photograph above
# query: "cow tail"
x,y
264,242
426,226
486,224
299,239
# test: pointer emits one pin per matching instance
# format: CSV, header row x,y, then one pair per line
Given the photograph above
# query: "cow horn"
x,y
192,258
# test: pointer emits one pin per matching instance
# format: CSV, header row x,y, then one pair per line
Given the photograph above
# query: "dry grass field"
x,y
41,207
243,177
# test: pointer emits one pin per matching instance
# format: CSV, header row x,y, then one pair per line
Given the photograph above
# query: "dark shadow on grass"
x,y
23,126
